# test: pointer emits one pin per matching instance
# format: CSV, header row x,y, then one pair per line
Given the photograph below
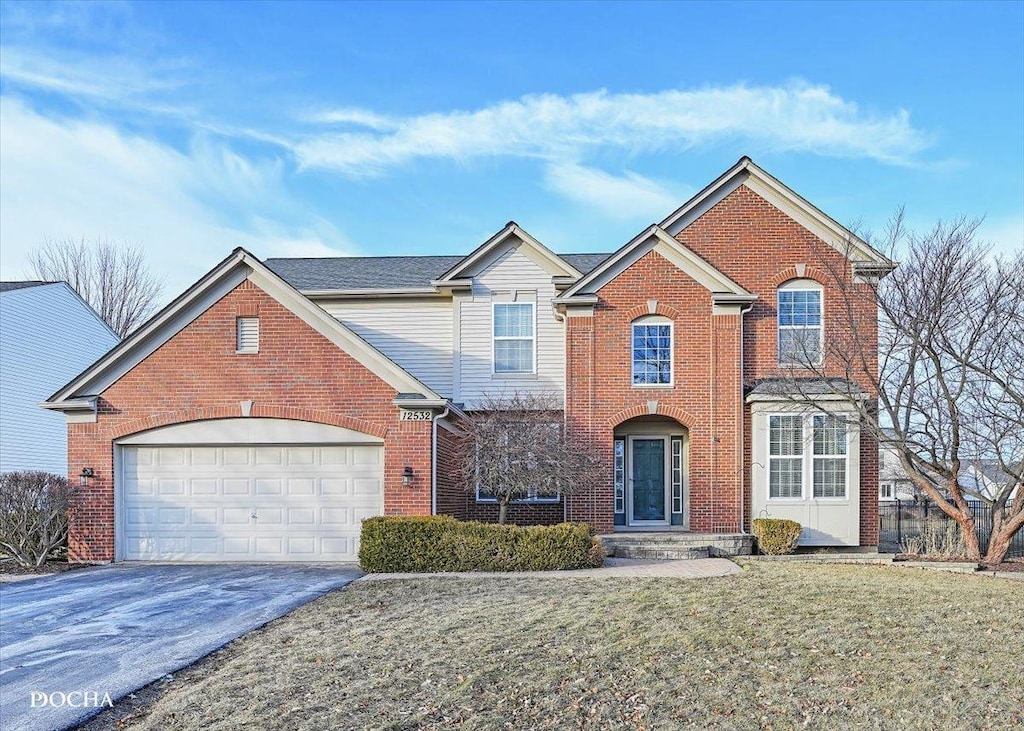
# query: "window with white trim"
x,y
514,339
652,351
785,456
800,338
829,468
509,436
820,460
885,491
247,334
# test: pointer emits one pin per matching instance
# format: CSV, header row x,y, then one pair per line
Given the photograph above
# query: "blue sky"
x,y
330,128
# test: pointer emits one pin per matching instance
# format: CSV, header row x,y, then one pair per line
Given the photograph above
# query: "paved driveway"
x,y
114,629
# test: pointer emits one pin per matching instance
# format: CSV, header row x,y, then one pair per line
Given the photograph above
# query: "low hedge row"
x,y
776,536
439,543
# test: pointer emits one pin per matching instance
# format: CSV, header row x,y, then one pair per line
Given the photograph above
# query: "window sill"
x,y
653,386
532,376
247,352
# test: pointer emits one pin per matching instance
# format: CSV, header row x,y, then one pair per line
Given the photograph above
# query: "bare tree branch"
x,y
516,447
113,278
949,380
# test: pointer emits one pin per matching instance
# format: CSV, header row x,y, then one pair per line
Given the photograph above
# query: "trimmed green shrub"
x,y
391,544
776,536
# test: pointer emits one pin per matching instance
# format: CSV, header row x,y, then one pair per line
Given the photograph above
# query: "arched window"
x,y
800,315
652,351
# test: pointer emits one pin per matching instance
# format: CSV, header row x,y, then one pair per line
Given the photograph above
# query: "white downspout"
x,y
562,318
433,458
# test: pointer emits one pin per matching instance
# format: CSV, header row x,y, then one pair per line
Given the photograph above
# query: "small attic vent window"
x,y
248,334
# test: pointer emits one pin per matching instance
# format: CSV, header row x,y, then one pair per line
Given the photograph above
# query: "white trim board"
x,y
478,259
746,172
655,238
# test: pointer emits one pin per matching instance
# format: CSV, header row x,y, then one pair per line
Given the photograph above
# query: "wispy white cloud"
x,y
626,197
793,117
354,117
65,177
103,78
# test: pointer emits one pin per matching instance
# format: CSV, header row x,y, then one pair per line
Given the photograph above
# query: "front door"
x,y
648,501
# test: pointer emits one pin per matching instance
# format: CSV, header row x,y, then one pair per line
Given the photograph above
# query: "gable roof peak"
x,y
544,256
747,173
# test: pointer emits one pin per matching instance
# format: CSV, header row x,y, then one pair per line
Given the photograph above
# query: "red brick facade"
x,y
759,247
297,374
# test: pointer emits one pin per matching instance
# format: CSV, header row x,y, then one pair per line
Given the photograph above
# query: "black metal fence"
x,y
900,520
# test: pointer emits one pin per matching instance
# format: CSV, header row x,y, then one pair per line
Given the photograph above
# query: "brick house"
x,y
273,405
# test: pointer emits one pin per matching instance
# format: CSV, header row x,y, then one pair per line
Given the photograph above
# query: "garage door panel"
x,y
171,456
268,487
197,503
170,486
335,487
235,455
203,486
301,486
301,516
301,456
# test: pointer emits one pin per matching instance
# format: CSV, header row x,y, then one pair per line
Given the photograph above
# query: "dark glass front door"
x,y
648,459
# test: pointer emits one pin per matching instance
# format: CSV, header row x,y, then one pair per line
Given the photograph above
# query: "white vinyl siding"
x,y
512,277
47,336
514,338
247,334
414,333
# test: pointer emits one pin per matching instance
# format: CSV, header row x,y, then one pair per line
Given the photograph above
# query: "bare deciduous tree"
x,y
950,369
516,447
113,278
33,515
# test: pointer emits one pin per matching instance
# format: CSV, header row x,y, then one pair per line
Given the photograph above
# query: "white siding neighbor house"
x,y
48,335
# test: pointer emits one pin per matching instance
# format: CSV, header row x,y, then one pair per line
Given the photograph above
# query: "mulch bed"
x,y
9,566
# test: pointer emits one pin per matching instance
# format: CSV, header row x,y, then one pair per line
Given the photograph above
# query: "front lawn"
x,y
779,646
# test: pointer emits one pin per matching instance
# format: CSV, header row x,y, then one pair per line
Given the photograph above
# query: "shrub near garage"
x,y
776,536
33,515
392,544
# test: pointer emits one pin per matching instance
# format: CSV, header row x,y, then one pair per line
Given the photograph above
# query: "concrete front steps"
x,y
675,545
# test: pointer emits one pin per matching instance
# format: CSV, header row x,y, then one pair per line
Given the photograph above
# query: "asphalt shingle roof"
x,y
8,286
383,272
805,386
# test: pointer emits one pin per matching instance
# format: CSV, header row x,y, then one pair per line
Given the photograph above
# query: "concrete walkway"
x,y
614,568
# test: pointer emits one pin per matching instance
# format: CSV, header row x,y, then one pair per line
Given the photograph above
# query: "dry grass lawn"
x,y
779,646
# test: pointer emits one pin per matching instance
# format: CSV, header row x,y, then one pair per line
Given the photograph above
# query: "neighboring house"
x,y
893,482
48,334
273,405
979,476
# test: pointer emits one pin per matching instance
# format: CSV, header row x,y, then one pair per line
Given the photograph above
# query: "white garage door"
x,y
281,502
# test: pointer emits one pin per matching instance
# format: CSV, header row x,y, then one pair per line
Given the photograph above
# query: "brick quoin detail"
x,y
297,374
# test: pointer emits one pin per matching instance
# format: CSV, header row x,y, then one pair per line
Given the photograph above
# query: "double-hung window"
x,y
514,339
800,330
794,461
785,456
513,457
829,470
652,352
